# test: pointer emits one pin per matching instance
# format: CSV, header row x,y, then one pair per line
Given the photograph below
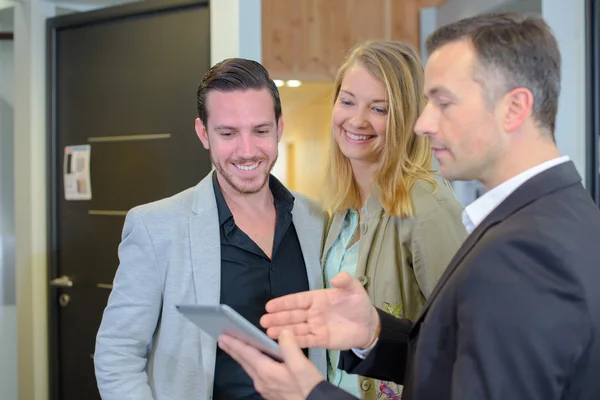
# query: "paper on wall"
x,y
76,173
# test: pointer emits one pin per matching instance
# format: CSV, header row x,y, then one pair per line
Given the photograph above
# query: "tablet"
x,y
218,319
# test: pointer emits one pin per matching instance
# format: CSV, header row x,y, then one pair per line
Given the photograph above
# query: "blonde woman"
x,y
395,225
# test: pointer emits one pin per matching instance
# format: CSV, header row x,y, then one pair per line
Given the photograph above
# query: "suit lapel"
x,y
309,229
206,262
535,188
310,237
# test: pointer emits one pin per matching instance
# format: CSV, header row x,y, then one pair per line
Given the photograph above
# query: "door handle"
x,y
61,282
104,286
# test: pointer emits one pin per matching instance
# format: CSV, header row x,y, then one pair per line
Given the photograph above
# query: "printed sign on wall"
x,y
77,173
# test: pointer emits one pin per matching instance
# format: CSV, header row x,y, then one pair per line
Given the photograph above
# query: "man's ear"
x,y
279,128
518,107
202,133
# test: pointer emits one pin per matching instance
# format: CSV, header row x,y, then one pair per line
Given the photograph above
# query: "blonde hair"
x,y
406,157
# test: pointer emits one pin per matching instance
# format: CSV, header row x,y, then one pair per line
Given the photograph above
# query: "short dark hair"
x,y
236,74
521,50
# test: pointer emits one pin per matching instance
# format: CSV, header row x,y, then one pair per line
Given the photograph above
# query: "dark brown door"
x,y
123,81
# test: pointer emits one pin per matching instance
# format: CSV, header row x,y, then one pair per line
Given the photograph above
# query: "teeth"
x,y
246,167
357,137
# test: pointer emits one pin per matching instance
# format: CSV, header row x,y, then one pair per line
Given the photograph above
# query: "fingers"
x,y
304,335
290,350
343,280
297,330
304,340
296,301
245,355
284,318
271,379
304,372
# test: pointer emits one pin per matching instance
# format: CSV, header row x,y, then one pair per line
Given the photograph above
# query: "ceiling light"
x,y
293,83
279,82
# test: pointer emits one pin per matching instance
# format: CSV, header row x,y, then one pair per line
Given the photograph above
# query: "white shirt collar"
x,y
476,212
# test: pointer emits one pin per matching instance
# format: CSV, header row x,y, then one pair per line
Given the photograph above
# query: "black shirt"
x,y
249,279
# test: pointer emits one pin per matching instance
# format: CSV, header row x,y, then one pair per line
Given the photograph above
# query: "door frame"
x,y
53,26
592,47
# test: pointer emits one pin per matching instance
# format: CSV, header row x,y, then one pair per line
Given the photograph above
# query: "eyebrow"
x,y
225,128
233,128
438,90
263,125
373,101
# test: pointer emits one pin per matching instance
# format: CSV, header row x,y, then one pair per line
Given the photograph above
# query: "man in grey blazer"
x,y
238,238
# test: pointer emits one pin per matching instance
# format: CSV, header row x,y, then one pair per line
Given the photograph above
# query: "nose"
x,y
246,145
358,119
427,122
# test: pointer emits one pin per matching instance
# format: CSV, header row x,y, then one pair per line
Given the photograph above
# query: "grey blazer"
x,y
169,255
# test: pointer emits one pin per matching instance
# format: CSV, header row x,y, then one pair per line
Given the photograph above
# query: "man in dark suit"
x,y
516,314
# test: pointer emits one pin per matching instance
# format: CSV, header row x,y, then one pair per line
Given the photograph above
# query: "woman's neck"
x,y
364,174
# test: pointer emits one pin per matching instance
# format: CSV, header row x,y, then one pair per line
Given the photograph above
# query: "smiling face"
x,y
241,136
464,130
360,115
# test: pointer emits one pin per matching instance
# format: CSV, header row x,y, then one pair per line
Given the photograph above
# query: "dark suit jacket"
x,y
516,315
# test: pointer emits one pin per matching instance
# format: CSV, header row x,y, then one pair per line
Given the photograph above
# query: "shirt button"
x,y
363,229
363,280
365,385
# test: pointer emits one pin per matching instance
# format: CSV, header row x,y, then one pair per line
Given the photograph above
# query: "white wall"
x,y
454,10
521,6
567,20
235,29
8,308
30,196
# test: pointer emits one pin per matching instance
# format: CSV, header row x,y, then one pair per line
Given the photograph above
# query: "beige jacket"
x,y
401,259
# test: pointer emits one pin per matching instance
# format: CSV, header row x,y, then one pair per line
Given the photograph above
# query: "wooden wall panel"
x,y
405,21
308,39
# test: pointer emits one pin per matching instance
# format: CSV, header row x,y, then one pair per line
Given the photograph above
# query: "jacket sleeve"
x,y
130,318
438,233
389,358
326,391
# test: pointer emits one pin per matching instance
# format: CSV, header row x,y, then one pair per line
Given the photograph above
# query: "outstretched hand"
x,y
339,318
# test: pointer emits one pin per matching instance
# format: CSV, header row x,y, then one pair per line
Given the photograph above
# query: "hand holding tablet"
x,y
222,319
